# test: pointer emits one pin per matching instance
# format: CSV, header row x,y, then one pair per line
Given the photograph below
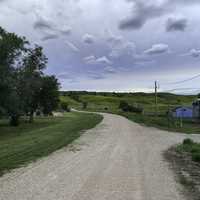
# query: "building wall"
x,y
183,112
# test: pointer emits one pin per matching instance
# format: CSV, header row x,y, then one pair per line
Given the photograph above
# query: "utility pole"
x,y
156,98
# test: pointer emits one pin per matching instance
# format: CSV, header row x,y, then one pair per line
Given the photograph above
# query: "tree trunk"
x,y
31,117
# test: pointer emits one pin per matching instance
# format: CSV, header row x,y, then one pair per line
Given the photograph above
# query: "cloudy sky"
x,y
113,45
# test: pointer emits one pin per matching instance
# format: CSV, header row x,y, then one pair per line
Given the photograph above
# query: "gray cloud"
x,y
88,39
176,24
49,37
142,11
67,30
157,49
124,50
43,24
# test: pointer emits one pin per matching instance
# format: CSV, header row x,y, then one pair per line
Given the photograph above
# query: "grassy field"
x,y
20,145
163,122
109,102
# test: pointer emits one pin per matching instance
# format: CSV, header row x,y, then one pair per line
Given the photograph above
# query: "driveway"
x,y
117,160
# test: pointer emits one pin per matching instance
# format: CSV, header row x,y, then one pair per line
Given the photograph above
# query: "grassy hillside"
x,y
27,142
109,102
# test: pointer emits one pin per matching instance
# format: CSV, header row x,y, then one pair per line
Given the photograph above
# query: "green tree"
x,y
31,80
49,94
11,49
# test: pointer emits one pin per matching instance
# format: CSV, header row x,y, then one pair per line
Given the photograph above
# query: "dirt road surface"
x,y
117,160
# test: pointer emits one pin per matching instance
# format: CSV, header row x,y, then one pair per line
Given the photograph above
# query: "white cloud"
x,y
93,60
157,49
193,52
103,60
90,60
88,39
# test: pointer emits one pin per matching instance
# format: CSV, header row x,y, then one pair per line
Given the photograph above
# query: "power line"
x,y
186,80
176,89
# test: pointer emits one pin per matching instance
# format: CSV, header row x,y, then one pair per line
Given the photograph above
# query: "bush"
x,y
65,106
129,108
188,141
123,105
196,157
84,104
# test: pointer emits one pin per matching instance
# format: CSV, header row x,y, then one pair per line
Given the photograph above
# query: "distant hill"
x,y
109,101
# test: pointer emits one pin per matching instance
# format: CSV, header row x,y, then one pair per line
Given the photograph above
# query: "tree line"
x,y
24,87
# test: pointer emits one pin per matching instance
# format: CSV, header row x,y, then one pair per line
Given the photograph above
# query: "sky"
x,y
113,45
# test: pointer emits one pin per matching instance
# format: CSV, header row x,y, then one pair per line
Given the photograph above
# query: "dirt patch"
x,y
187,172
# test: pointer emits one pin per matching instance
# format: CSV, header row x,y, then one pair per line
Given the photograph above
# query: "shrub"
x,y
85,104
64,106
196,157
188,141
129,108
123,105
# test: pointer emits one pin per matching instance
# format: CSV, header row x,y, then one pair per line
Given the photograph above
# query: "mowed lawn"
x,y
20,145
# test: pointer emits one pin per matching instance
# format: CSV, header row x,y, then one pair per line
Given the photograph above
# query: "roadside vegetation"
x,y
191,148
24,87
138,107
30,141
185,161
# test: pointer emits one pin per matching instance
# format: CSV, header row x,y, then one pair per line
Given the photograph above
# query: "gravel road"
x,y
117,160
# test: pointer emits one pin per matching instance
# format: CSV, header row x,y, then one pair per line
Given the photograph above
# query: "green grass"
x,y
70,101
161,122
188,146
109,102
20,145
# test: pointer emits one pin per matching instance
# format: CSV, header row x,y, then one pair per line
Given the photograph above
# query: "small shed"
x,y
182,112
